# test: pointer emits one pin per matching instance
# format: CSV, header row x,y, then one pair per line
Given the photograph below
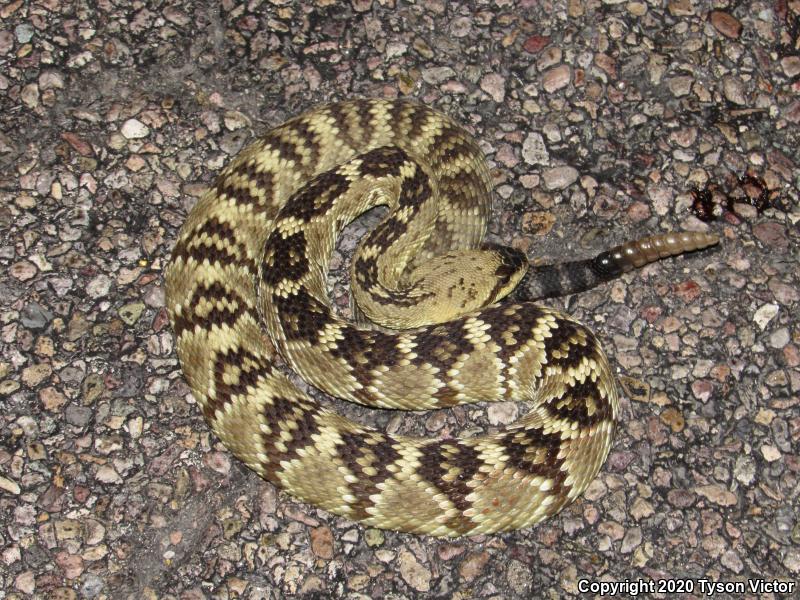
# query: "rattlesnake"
x,y
247,282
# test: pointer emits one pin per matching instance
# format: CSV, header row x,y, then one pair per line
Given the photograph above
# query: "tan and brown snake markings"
x,y
246,282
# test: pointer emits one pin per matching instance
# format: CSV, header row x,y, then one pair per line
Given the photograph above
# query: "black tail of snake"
x,y
246,283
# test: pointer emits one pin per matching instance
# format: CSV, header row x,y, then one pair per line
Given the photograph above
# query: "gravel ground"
x,y
600,118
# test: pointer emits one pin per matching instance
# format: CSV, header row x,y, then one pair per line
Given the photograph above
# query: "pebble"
x,y
473,565
505,156
784,294
177,16
641,509
745,470
702,389
681,498
8,387
764,416
612,529
556,78
686,137
107,474
770,453
765,314
412,572
7,485
772,235
77,143
436,75
534,150
791,66
559,178
680,86
71,565
791,560
134,129
731,560
734,90
135,427
549,58
312,587
374,537
130,313
30,95
606,63
52,399
35,316
461,26
23,270
502,413
779,338
672,417
79,416
6,42
235,120
519,577
717,494
24,33
50,80
637,9
99,286
322,542
67,529
154,296
91,585
33,375
632,540
395,49
726,24
219,462
94,531
681,8
494,85
449,551
25,582
536,43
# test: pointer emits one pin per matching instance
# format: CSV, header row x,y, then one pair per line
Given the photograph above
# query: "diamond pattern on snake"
x,y
246,284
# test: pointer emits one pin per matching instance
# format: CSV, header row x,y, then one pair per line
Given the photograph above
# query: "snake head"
x,y
510,266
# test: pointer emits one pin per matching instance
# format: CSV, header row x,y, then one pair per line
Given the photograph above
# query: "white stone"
x,y
770,453
765,314
107,474
134,129
534,150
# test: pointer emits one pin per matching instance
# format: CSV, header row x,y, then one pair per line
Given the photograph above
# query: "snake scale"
x,y
246,287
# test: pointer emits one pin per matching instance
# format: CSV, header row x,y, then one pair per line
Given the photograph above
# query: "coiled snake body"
x,y
246,282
